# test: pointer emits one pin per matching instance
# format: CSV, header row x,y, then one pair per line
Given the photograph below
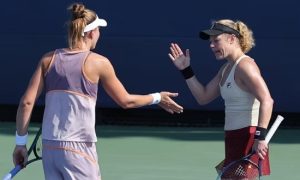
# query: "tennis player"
x,y
70,78
248,103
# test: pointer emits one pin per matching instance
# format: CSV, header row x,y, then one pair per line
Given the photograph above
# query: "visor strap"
x,y
225,29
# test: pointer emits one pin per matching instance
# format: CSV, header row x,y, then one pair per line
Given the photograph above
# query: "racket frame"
x,y
269,135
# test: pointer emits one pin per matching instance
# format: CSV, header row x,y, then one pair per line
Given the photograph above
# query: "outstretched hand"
x,y
180,60
168,104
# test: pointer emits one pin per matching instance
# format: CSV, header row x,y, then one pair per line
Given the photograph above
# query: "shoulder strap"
x,y
232,71
50,62
237,62
223,71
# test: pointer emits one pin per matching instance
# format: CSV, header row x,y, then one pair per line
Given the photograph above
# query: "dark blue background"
x,y
137,43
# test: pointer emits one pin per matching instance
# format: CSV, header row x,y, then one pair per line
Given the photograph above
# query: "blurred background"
x,y
137,41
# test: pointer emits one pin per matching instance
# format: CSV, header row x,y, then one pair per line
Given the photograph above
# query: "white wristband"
x,y
156,98
21,140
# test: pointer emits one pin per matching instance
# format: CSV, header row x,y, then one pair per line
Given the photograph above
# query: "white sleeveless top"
x,y
241,107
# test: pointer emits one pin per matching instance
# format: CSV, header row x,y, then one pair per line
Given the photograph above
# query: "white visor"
x,y
96,23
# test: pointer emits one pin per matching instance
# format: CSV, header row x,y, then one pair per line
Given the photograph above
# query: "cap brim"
x,y
209,32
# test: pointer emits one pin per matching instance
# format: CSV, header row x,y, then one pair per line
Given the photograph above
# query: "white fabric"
x,y
241,107
69,117
156,98
21,140
96,23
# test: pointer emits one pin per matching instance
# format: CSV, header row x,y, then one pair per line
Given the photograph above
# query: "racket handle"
x,y
12,173
274,127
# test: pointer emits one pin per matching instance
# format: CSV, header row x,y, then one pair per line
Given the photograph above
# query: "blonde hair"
x,y
246,38
80,17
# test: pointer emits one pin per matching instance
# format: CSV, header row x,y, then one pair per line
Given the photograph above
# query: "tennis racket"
x,y
245,167
36,148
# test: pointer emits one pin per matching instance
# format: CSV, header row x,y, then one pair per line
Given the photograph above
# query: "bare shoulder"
x,y
47,56
46,59
248,66
97,66
97,59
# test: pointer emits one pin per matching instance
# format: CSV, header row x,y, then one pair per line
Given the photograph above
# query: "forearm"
x,y
23,117
265,113
197,90
135,101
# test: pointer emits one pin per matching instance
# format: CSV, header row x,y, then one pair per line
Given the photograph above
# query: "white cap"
x,y
96,23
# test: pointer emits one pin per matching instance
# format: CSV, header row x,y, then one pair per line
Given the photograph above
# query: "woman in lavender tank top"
x,y
70,78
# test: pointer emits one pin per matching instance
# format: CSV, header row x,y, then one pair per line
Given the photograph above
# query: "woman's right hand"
x,y
180,60
20,155
168,104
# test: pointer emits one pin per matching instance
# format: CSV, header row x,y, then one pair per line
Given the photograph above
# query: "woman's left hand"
x,y
260,147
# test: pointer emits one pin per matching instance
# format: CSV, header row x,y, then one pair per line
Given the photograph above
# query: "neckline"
x,y
74,51
239,59
232,68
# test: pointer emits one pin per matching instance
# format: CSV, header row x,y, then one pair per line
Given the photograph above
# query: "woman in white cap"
x,y
248,103
70,78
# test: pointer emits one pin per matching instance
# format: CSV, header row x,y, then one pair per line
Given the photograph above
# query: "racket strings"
x,y
39,148
242,170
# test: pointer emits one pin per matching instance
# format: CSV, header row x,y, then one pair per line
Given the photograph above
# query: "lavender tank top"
x,y
70,102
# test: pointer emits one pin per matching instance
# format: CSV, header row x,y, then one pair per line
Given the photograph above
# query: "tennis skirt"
x,y
238,143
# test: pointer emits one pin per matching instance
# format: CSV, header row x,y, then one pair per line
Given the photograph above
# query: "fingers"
x,y
177,48
172,94
171,57
260,148
176,107
20,155
172,109
168,104
175,51
262,153
18,159
187,53
169,110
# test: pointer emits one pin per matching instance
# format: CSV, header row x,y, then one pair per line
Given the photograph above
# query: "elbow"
x,y
26,103
268,102
125,106
126,103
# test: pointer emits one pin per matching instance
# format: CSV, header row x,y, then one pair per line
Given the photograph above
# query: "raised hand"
x,y
168,104
180,60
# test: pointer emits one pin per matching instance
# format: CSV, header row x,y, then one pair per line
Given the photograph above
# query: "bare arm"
x,y
117,91
204,94
27,101
251,80
25,108
119,94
